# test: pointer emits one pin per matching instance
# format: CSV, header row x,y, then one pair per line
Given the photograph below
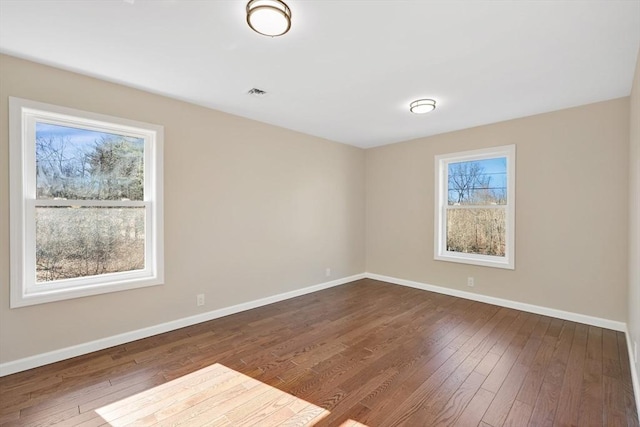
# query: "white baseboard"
x,y
19,365
80,349
552,312
634,372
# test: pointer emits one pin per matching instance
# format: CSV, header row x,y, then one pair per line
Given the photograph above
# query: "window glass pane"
x,y
88,241
478,182
80,164
476,231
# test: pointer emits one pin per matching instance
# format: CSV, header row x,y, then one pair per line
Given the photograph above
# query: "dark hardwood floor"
x,y
366,353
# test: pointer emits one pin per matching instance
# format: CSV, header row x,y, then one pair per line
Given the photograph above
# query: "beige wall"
x,y
633,321
251,210
571,210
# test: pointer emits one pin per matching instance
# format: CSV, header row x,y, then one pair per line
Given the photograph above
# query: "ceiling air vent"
x,y
257,92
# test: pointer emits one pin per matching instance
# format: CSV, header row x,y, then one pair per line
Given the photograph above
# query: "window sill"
x,y
482,260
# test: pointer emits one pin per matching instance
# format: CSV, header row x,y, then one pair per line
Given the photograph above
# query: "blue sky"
x,y
495,168
81,139
74,135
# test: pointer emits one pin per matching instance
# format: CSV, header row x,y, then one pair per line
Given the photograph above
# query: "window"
x,y
475,207
86,203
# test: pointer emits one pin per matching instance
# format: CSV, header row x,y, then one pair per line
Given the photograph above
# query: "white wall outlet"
x,y
327,272
200,299
471,281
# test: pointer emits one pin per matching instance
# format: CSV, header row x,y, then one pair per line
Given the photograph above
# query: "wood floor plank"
x,y
499,409
283,414
117,393
610,357
411,379
614,410
509,354
475,410
629,402
48,418
501,406
65,401
519,414
366,353
214,405
461,382
591,398
532,383
447,413
569,399
545,408
341,412
170,395
254,411
9,416
411,409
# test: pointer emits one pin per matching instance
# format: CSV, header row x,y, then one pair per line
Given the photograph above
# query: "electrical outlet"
x,y
471,282
635,352
200,299
327,272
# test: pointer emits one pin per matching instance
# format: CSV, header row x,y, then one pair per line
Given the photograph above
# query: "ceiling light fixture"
x,y
422,106
269,17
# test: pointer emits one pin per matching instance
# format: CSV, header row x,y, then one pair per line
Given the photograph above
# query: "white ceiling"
x,y
348,69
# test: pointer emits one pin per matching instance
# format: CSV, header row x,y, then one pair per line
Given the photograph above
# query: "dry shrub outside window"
x,y
477,231
80,242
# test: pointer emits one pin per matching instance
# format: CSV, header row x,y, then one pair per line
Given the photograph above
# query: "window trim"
x,y
23,115
441,200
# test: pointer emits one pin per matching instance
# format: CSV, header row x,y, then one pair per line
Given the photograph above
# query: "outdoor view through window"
x,y
94,235
476,206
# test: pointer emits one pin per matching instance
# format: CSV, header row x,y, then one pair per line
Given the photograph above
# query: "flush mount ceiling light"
x,y
269,17
422,106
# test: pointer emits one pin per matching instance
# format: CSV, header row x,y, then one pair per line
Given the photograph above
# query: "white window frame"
x,y
441,207
23,115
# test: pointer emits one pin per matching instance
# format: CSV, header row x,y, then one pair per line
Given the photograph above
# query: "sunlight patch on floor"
x,y
214,396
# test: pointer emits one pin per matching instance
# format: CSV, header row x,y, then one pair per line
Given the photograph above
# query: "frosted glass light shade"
x,y
422,106
269,17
